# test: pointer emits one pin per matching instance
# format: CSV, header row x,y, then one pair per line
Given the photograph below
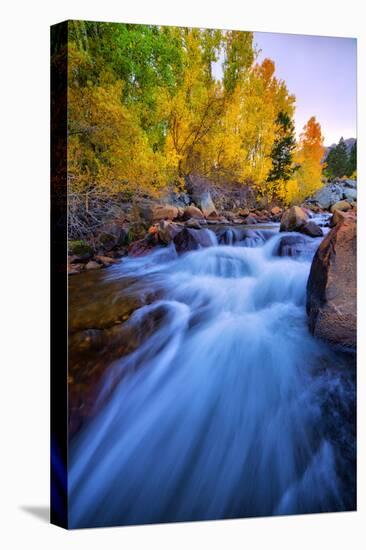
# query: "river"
x,y
229,408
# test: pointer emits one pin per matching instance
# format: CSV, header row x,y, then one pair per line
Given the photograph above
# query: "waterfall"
x,y
220,412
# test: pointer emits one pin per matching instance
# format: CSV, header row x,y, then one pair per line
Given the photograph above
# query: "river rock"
x,y
339,216
328,195
167,230
112,235
243,212
290,245
343,206
193,212
350,194
331,288
192,239
311,229
250,220
350,183
293,219
276,211
164,212
205,203
142,246
194,224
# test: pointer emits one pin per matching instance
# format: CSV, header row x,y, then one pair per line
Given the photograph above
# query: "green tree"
x,y
352,163
283,148
338,161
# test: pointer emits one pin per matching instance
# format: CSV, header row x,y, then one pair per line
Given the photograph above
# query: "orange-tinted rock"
x,y
193,212
331,288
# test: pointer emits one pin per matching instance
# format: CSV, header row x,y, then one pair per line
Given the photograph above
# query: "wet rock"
x,y
293,219
291,245
167,231
194,224
193,212
192,239
331,288
343,206
250,220
142,246
311,229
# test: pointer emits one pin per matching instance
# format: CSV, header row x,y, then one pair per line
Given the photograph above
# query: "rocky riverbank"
x,y
184,220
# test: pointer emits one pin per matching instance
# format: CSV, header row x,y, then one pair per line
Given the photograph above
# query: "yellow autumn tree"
x,y
308,167
239,148
194,110
106,147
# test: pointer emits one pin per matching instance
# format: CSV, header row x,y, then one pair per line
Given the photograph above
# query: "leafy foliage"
x,y
308,168
146,109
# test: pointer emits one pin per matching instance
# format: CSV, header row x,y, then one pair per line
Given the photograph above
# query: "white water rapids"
x,y
223,411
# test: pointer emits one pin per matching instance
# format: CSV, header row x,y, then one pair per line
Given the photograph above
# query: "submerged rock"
x,y
331,288
291,245
293,219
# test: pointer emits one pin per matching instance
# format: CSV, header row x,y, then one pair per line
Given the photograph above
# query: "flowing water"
x,y
230,408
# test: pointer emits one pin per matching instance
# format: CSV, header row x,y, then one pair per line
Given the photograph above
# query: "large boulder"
x,y
328,195
339,216
112,235
192,239
331,288
205,203
193,212
293,219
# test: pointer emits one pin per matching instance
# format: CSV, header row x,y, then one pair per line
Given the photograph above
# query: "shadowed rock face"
x,y
331,288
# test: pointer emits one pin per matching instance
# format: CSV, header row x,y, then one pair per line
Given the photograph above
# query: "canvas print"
x,y
204,208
